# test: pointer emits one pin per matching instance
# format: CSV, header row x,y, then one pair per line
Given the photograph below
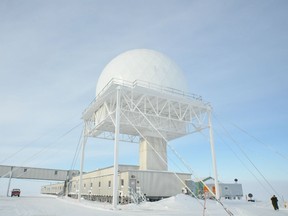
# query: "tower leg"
x,y
10,177
213,158
81,165
116,146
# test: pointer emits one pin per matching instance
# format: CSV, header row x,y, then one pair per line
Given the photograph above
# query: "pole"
x,y
66,183
116,144
10,177
213,157
82,164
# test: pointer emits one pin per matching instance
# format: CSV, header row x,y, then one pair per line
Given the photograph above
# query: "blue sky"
x,y
233,53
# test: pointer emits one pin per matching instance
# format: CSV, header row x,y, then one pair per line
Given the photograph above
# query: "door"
x,y
132,185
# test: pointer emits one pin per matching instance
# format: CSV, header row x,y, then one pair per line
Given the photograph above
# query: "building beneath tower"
x,y
134,184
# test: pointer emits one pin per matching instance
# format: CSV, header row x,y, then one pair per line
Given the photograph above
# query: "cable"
x,y
244,165
29,144
43,150
138,131
151,124
259,141
75,158
50,144
246,156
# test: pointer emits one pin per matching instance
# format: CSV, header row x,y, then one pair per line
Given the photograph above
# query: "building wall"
x,y
228,191
159,184
100,182
231,191
154,184
53,188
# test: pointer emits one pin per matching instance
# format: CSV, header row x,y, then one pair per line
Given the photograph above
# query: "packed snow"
x,y
177,205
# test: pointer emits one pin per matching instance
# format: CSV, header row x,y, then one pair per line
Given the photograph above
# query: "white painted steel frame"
x,y
116,150
173,115
10,177
83,143
216,182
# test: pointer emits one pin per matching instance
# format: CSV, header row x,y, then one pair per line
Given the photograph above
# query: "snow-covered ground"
x,y
178,205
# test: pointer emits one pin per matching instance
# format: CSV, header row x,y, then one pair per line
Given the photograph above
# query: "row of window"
x,y
55,172
99,184
54,188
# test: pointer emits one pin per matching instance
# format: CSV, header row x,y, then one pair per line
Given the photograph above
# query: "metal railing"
x,y
144,84
137,196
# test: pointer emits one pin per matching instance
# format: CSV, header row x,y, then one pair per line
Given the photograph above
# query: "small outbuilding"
x,y
205,187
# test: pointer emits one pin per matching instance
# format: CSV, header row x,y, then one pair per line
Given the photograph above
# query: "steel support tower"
x,y
145,113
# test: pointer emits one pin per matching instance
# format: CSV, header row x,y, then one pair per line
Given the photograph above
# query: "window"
x,y
99,184
122,182
91,184
25,169
109,184
84,186
56,172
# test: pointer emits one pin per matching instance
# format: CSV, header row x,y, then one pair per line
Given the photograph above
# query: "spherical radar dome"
x,y
143,65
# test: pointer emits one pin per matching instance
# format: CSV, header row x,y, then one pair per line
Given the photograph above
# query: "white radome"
x,y
143,65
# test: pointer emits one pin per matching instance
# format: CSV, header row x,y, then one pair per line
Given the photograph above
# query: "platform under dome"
x,y
144,65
